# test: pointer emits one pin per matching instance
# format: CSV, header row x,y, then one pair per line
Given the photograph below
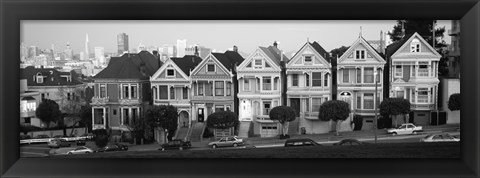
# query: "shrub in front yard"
x,y
101,137
358,121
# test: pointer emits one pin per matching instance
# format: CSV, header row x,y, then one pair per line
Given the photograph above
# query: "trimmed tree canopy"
x,y
164,116
48,111
394,106
222,120
282,114
455,102
334,110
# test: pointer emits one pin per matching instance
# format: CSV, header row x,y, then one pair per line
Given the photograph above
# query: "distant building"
x,y
379,45
87,48
181,47
100,55
122,42
33,51
454,51
201,50
29,101
68,52
141,47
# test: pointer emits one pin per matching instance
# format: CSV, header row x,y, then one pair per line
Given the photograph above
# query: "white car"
x,y
441,137
227,141
408,128
80,150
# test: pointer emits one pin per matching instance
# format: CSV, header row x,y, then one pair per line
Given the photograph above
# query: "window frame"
x,y
265,109
134,91
365,76
308,62
315,105
185,93
345,73
415,46
317,80
246,84
267,86
173,74
201,89
294,80
217,88
214,68
367,100
360,54
172,93
103,94
307,80
397,73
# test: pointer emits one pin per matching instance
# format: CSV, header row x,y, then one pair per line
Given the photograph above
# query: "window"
x,y
359,101
266,107
258,84
219,108
125,116
114,112
359,75
295,80
400,94
246,84
346,75
172,93
125,91
43,96
423,71
307,104
211,68
134,114
415,46
368,101
219,88
200,88
307,80
325,80
275,83
398,71
185,93
40,78
98,115
316,102
170,72
308,59
316,79
228,107
133,90
163,92
155,93
229,89
368,74
359,54
413,71
267,83
258,62
422,96
103,92
68,96
27,120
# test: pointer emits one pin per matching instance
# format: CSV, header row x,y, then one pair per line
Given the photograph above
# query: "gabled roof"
x,y
49,74
320,50
361,40
131,66
229,59
274,54
392,48
187,63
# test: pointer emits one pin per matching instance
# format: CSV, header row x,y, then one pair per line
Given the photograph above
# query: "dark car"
x,y
176,144
81,142
349,142
300,142
114,147
58,142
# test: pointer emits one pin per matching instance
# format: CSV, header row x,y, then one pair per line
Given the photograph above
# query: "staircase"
x,y
244,129
181,133
293,127
197,131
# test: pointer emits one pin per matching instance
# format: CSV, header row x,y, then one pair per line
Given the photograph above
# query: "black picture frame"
x,y
12,11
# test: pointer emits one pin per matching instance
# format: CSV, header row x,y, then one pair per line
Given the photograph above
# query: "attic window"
x,y
39,78
210,68
308,60
415,46
359,54
170,72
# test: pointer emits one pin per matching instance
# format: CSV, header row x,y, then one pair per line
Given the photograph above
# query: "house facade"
x,y
414,75
308,86
122,91
260,89
356,80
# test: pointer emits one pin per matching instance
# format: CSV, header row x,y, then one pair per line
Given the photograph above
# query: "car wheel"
x,y
214,146
180,148
163,149
70,153
414,132
394,133
87,152
235,145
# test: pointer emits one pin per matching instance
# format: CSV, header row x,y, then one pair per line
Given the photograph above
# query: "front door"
x,y
201,115
295,103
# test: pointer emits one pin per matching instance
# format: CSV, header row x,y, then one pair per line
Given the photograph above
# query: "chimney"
x,y
275,44
235,48
196,52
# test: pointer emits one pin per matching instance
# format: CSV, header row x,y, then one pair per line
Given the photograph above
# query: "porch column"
x,y
93,118
104,118
224,88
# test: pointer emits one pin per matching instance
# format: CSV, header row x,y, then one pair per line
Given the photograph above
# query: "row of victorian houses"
x,y
252,86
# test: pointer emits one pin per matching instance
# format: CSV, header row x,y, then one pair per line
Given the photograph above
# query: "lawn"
x,y
381,150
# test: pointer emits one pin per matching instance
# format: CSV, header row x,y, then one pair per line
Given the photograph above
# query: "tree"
x,y
422,27
86,116
48,111
395,107
164,116
284,115
101,137
455,102
222,120
339,51
142,128
334,110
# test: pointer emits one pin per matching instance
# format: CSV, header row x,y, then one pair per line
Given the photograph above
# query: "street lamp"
x,y
376,104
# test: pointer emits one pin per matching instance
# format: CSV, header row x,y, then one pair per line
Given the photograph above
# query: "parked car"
x,y
59,136
41,139
87,136
57,143
440,137
349,142
300,142
81,142
408,128
80,150
114,147
227,141
24,139
176,144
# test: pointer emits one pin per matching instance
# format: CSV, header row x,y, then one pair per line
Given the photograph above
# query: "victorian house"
x,y
413,66
213,88
260,89
171,85
122,91
357,80
308,86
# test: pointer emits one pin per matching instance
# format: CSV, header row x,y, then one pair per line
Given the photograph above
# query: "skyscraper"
x,y
100,54
122,41
181,45
68,52
87,51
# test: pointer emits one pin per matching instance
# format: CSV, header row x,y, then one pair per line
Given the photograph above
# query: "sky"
x,y
219,35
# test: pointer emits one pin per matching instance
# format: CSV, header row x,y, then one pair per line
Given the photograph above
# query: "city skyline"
x,y
289,34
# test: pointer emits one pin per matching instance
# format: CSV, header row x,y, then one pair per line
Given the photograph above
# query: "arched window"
x,y
415,46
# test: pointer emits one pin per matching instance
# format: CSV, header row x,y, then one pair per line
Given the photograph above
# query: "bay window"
x,y
422,96
316,103
163,92
172,93
368,101
295,80
368,74
316,79
266,107
246,84
267,83
219,88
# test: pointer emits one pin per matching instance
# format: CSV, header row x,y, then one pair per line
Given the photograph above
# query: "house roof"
x,y
187,63
274,54
51,77
320,50
392,48
229,59
131,66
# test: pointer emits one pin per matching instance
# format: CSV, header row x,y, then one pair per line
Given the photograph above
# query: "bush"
x,y
394,106
222,120
101,137
358,121
455,102
207,133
